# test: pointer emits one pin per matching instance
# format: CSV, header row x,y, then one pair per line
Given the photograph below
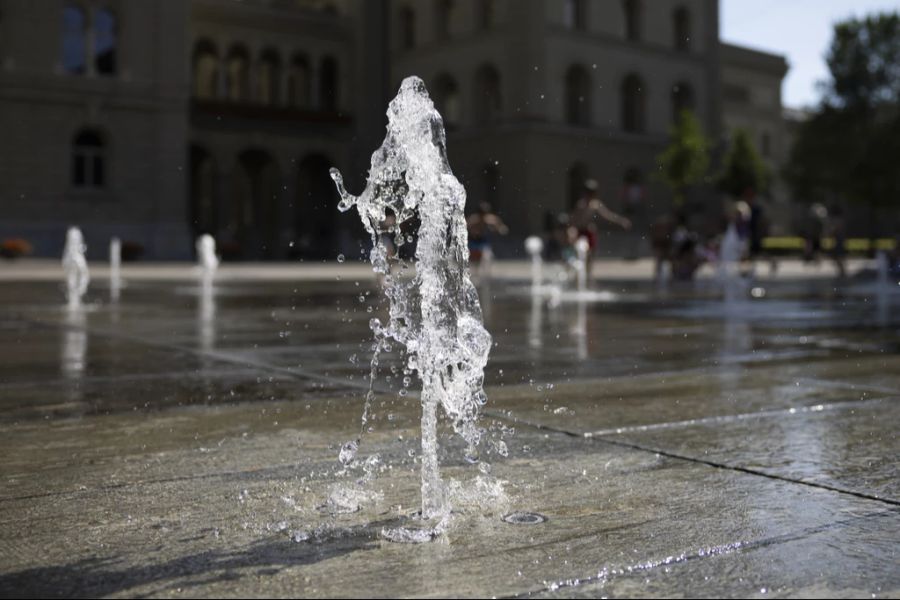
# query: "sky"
x,y
798,29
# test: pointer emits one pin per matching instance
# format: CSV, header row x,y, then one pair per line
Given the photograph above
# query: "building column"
x,y
222,79
284,77
223,211
314,85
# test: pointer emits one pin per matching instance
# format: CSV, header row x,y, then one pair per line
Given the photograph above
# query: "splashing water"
x,y
206,255
434,315
75,267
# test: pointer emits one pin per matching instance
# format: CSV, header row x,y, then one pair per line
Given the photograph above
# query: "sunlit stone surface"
x,y
174,445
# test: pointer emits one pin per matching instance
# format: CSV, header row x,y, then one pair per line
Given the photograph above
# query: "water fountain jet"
x,y
115,268
436,315
534,246
730,253
75,267
582,247
207,259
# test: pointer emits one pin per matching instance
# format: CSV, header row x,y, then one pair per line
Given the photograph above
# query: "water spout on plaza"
x,y
115,269
582,247
729,265
75,267
435,315
207,259
535,246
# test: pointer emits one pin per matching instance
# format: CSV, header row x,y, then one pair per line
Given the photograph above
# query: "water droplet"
x,y
348,452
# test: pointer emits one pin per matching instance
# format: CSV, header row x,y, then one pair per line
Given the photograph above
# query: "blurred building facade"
x,y
751,92
541,96
159,120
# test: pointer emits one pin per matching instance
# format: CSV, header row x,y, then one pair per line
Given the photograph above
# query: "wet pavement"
x,y
176,443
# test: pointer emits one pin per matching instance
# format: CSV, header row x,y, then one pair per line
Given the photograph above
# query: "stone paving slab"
x,y
853,447
169,446
677,399
770,569
229,534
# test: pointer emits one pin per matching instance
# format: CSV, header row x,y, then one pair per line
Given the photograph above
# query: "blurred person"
x,y
685,255
585,215
837,230
758,229
632,197
661,231
481,225
893,256
555,238
813,227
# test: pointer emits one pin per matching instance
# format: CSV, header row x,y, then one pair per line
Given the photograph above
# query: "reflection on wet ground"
x,y
182,442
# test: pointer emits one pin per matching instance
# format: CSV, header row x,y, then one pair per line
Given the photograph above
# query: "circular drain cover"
x,y
524,518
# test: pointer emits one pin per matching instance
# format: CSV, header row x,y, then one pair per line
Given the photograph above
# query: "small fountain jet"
x,y
436,315
75,267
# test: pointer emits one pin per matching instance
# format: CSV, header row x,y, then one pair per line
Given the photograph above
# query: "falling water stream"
x,y
434,315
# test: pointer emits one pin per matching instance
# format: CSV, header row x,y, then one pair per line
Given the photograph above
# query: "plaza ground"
x,y
180,444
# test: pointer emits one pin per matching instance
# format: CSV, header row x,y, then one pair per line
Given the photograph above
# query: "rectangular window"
x,y
99,175
78,175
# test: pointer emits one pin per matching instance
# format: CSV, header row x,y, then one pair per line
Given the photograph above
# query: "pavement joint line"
x,y
719,550
708,463
842,385
798,410
218,356
94,379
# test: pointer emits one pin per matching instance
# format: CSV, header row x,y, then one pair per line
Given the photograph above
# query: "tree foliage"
x,y
742,167
685,160
850,146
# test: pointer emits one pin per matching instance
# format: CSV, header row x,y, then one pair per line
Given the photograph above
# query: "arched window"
x,y
443,16
253,216
488,99
575,182
105,41
88,159
633,17
407,18
328,84
268,77
237,75
300,83
681,27
206,71
575,14
682,99
578,96
74,39
633,104
487,16
447,101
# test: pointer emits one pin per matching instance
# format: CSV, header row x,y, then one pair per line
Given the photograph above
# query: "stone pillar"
x,y
222,79
316,100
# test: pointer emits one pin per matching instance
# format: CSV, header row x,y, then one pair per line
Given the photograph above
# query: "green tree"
x,y
742,168
685,160
849,148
